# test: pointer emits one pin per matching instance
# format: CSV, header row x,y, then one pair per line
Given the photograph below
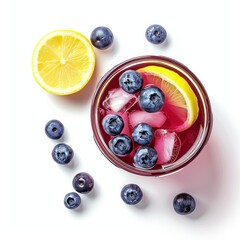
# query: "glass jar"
x,y
111,80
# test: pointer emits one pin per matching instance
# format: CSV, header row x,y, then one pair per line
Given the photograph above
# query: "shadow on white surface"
x,y
144,203
205,179
74,164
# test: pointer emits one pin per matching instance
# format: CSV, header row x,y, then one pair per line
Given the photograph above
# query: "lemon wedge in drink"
x,y
63,62
181,104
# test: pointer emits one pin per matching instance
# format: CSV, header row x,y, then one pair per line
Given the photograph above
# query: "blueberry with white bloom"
x,y
54,129
145,157
156,34
62,153
131,194
184,204
121,145
83,182
101,37
113,124
151,99
131,81
72,200
142,134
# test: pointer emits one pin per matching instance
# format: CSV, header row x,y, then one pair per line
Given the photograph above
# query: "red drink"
x,y
176,143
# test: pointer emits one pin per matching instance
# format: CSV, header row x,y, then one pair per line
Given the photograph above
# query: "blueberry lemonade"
x,y
151,115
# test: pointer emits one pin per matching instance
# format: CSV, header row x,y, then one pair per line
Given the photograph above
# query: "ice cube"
x,y
155,120
118,100
168,145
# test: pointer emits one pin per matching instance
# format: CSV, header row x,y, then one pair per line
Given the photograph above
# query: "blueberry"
x,y
156,34
142,134
121,145
151,99
72,200
62,153
145,157
113,124
184,204
83,182
101,37
131,81
131,194
54,129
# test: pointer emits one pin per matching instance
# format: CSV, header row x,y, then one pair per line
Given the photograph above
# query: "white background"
x,y
204,35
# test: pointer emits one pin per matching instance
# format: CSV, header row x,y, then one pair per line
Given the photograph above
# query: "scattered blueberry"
x,y
131,194
142,134
54,129
145,157
83,182
156,34
113,124
62,153
184,204
101,37
151,99
131,81
72,200
121,145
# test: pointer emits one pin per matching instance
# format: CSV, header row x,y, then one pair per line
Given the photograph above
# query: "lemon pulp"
x,y
63,62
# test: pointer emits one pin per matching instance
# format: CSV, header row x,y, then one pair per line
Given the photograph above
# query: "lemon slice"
x,y
181,104
63,62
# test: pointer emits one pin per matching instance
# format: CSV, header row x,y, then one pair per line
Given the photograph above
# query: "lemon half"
x,y
63,62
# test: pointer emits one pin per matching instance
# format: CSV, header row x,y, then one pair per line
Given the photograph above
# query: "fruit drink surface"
x,y
170,134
